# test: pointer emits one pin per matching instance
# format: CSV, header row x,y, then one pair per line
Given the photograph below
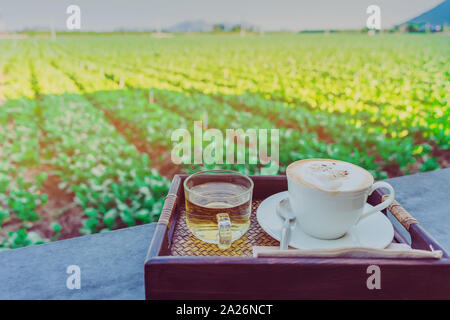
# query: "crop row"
x,y
347,132
385,87
193,106
111,181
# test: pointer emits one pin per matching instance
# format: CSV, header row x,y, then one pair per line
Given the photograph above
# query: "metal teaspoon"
x,y
285,213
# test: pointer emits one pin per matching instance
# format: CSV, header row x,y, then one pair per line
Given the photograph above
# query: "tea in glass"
x,y
218,205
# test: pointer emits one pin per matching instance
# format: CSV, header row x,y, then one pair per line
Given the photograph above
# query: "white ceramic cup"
x,y
330,214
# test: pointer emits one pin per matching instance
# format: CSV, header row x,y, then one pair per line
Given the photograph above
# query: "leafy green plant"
x,y
21,238
430,164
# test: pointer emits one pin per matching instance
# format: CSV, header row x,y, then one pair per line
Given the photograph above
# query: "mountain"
x,y
437,16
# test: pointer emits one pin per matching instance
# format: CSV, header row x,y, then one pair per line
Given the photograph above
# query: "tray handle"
x,y
166,212
400,213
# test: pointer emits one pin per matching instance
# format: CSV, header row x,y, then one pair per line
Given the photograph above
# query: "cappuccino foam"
x,y
330,175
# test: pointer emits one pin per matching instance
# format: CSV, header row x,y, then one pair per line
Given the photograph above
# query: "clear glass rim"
x,y
230,172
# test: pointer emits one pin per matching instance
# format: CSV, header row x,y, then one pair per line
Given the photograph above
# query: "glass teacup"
x,y
218,205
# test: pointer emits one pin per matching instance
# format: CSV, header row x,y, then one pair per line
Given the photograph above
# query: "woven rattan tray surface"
x,y
185,244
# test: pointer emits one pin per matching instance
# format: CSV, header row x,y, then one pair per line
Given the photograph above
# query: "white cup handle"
x,y
382,205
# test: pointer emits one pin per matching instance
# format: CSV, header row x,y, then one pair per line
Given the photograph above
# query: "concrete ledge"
x,y
427,197
112,263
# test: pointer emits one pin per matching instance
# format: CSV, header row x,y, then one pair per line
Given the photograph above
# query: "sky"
x,y
295,15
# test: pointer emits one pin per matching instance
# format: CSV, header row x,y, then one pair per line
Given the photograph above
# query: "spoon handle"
x,y
285,235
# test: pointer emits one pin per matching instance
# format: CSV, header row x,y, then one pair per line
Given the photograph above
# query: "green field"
x,y
85,122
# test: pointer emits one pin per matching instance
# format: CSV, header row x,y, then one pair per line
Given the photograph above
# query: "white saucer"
x,y
375,231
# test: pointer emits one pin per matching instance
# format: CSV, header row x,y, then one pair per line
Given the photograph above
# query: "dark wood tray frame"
x,y
188,277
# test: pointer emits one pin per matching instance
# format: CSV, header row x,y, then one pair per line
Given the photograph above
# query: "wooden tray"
x,y
178,266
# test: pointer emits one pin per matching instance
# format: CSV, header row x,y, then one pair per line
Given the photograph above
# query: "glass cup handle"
x,y
224,231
